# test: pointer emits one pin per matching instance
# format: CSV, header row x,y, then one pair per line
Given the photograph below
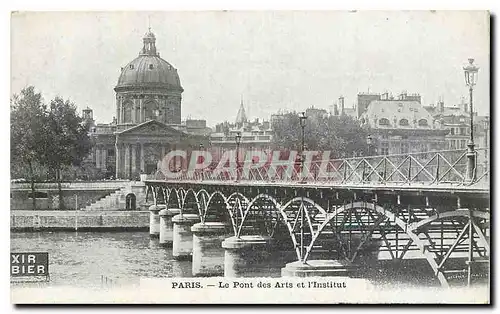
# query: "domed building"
x,y
148,88
148,118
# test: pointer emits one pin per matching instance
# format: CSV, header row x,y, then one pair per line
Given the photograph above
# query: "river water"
x,y
90,258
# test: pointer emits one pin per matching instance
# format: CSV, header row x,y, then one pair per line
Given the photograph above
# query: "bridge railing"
x,y
72,185
435,167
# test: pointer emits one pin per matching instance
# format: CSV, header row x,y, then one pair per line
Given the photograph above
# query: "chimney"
x,y
464,104
341,102
335,110
385,96
441,106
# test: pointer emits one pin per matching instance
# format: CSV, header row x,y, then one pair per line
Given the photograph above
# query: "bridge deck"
x,y
478,188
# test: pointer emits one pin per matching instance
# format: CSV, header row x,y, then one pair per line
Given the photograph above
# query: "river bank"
x,y
55,220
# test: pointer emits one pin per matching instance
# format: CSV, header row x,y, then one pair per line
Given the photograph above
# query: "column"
x,y
132,111
142,158
104,158
208,254
117,161
182,246
167,226
154,220
141,112
318,268
246,256
127,162
118,109
137,113
134,161
98,157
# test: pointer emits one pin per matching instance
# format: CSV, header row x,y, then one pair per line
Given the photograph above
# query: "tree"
x,y
28,119
342,135
67,141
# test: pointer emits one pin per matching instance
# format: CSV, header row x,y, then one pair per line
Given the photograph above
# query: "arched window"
x,y
383,121
422,122
127,112
403,122
150,111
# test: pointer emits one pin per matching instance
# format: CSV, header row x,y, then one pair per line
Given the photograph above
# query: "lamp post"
x,y
238,141
303,119
486,125
369,140
200,157
369,144
470,71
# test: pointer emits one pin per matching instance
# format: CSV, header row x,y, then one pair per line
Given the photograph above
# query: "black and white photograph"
x,y
320,157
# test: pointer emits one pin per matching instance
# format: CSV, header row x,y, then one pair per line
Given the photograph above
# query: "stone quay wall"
x,y
25,220
21,200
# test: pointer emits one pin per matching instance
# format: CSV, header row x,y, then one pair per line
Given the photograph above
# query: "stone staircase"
x,y
117,199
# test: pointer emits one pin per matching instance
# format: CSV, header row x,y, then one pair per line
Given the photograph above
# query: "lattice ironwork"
x,y
424,168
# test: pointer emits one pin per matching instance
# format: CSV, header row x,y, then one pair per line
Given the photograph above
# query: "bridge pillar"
x,y
182,241
154,220
317,268
246,256
208,254
167,226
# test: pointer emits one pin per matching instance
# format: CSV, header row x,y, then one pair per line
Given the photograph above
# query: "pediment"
x,y
151,128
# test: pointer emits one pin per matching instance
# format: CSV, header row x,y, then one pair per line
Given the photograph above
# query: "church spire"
x,y
241,117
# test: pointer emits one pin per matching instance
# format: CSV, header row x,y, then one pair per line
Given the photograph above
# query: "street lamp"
x,y
303,119
486,125
470,71
200,158
238,141
369,143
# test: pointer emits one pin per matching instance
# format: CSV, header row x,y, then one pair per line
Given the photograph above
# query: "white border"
x,y
186,5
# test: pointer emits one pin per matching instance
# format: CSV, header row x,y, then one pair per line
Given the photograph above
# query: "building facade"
x,y
255,134
148,118
456,119
399,125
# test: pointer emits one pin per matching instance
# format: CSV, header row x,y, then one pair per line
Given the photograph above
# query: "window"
x,y
150,66
111,152
403,122
452,131
38,195
384,149
405,148
384,121
452,144
462,131
131,67
462,143
127,113
422,122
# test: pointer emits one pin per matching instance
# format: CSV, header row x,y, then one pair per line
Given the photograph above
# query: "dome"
x,y
149,34
148,70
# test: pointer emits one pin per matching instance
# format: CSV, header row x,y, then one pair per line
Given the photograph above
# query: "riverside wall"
x,y
28,220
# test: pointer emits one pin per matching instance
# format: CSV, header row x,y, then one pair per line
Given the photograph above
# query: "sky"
x,y
288,60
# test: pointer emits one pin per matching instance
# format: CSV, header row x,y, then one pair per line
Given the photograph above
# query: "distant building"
x,y
399,125
456,120
254,134
339,109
